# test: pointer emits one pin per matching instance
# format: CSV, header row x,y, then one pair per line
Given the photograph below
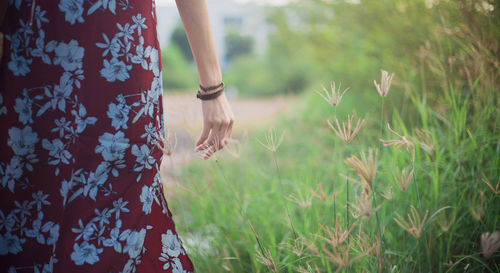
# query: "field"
x,y
397,175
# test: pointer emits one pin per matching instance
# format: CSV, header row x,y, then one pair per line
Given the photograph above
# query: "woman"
x,y
80,117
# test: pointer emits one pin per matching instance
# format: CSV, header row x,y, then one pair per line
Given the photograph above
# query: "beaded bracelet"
x,y
210,92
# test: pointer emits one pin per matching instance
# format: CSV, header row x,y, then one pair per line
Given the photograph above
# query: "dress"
x,y
80,108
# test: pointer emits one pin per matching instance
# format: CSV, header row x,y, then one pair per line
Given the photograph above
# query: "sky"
x,y
267,2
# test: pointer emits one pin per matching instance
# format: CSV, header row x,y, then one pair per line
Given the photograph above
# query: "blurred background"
x,y
277,199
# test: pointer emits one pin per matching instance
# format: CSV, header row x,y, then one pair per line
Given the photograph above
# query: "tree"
x,y
237,45
179,39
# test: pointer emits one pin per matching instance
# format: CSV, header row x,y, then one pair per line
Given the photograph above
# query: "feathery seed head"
x,y
334,96
297,246
365,167
363,206
366,245
490,243
304,270
424,139
341,256
403,178
303,200
264,256
389,194
267,260
399,142
321,194
445,221
336,237
415,224
168,143
385,83
234,150
347,131
272,142
495,190
477,205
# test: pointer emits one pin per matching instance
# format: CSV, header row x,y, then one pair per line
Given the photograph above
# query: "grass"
x,y
253,188
295,204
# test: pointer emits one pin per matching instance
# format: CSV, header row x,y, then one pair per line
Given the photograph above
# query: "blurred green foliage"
x,y
237,45
179,39
269,75
177,73
317,41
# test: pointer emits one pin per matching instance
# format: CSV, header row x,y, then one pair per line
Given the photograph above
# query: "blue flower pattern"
x,y
106,228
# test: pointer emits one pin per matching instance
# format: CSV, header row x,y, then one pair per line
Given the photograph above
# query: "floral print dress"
x,y
80,110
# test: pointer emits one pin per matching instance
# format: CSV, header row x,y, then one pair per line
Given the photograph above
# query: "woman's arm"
x,y
218,117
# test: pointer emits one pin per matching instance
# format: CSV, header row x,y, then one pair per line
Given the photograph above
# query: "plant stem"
x,y
347,207
278,171
282,192
382,120
416,187
334,211
334,197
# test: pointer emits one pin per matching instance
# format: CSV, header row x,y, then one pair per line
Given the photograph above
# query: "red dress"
x,y
80,109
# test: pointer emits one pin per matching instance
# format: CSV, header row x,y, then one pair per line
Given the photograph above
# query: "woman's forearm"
x,y
194,15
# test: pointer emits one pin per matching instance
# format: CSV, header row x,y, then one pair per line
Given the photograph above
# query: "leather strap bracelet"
x,y
206,89
211,92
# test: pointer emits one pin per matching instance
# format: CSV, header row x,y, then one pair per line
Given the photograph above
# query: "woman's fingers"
x,y
229,132
203,137
212,146
209,152
211,138
223,134
218,137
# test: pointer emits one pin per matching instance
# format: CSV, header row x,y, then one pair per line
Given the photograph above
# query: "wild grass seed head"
x,y
168,143
385,83
415,223
303,200
424,140
445,220
403,178
271,142
362,206
342,256
347,131
366,245
334,96
365,167
267,260
490,243
496,189
400,141
336,237
321,194
477,205
388,194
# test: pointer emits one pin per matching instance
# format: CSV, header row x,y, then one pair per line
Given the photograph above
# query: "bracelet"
x,y
211,92
206,89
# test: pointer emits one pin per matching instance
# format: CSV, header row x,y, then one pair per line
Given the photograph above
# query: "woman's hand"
x,y
218,120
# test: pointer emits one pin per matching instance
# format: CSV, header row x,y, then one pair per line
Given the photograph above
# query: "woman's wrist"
x,y
210,92
210,77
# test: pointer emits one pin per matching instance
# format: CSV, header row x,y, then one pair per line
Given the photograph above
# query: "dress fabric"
x,y
80,110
